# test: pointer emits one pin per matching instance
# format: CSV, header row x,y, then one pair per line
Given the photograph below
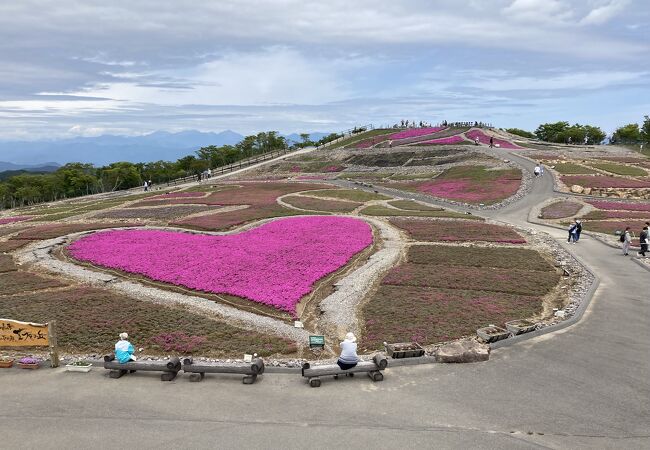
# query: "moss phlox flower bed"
x,y
275,264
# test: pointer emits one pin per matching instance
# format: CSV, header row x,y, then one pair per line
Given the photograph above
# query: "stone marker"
x,y
463,352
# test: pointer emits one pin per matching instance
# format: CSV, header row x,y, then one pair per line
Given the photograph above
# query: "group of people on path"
x,y
626,240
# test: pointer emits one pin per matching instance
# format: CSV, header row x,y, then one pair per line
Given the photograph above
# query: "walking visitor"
x,y
491,142
626,239
349,357
643,239
146,186
572,233
124,349
536,171
578,229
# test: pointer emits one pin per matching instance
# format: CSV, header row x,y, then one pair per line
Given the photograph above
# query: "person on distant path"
x,y
198,176
146,186
476,141
627,239
124,349
572,233
541,169
643,239
349,357
491,142
536,171
578,229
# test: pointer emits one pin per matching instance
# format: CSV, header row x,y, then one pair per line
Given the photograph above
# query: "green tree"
x,y
645,130
629,133
522,133
551,132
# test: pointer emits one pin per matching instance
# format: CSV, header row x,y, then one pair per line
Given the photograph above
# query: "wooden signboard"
x,y
14,333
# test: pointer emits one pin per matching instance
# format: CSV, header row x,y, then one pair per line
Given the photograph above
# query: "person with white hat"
x,y
124,349
349,357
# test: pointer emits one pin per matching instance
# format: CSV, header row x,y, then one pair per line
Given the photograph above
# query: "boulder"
x,y
576,189
586,191
463,352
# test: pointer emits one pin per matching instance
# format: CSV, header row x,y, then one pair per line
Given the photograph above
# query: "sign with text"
x,y
23,334
316,341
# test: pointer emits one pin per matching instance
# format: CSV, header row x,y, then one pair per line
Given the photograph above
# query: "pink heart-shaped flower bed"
x,y
275,264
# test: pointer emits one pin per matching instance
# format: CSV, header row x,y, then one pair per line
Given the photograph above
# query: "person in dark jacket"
x,y
578,229
643,239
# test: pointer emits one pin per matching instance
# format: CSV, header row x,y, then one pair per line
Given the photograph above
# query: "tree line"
x,y
77,179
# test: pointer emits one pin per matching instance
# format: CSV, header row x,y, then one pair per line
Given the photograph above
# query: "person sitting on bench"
x,y
124,349
349,357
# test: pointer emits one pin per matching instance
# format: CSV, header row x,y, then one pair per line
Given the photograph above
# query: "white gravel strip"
x,y
339,310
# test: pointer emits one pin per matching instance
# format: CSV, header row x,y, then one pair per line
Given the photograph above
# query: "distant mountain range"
x,y
102,150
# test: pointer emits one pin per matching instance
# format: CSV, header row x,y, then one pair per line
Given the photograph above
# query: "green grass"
x,y
413,206
503,258
619,169
572,169
17,282
417,176
379,210
348,194
364,175
362,137
91,320
318,204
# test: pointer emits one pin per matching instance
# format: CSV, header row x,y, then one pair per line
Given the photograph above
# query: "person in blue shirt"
x,y
124,349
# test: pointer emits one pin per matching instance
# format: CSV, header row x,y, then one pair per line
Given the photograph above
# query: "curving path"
x,y
587,386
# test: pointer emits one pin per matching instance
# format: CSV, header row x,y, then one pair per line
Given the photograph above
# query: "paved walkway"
x,y
586,386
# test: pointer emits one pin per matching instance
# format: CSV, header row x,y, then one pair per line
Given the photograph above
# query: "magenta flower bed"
x,y
456,139
620,206
485,139
178,195
6,220
275,264
471,191
598,181
415,132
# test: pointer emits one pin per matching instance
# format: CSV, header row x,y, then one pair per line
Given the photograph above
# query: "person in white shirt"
x,y
349,357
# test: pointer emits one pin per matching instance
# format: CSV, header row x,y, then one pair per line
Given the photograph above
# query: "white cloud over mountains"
x,y
291,64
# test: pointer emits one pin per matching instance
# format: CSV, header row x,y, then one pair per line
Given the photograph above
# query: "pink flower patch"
x,y
620,206
275,264
485,139
599,181
415,132
7,220
456,139
178,195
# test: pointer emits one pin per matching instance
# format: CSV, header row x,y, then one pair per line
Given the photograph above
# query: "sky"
x,y
87,68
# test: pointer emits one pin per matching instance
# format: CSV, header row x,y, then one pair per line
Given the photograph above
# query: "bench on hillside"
x,y
169,368
372,368
249,370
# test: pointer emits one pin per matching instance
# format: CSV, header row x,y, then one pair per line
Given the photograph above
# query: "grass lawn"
x,y
365,175
513,281
379,210
56,230
413,205
601,181
619,169
229,219
572,169
457,230
503,258
430,315
16,282
610,227
417,176
349,194
319,204
163,213
362,136
93,319
470,184
561,209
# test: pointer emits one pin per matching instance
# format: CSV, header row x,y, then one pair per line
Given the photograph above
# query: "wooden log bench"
x,y
249,370
372,368
169,368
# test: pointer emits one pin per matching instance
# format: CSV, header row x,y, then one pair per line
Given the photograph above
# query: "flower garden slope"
x,y
275,264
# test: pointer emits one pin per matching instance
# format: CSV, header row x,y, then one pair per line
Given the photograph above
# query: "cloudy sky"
x,y
93,67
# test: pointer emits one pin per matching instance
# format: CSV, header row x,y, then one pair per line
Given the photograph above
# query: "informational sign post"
x,y
14,333
316,341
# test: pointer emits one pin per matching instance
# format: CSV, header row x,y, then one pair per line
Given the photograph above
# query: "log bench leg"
x,y
196,377
249,379
117,373
314,382
376,375
168,376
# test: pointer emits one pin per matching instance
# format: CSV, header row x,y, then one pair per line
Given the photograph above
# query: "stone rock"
x,y
586,191
463,352
576,189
